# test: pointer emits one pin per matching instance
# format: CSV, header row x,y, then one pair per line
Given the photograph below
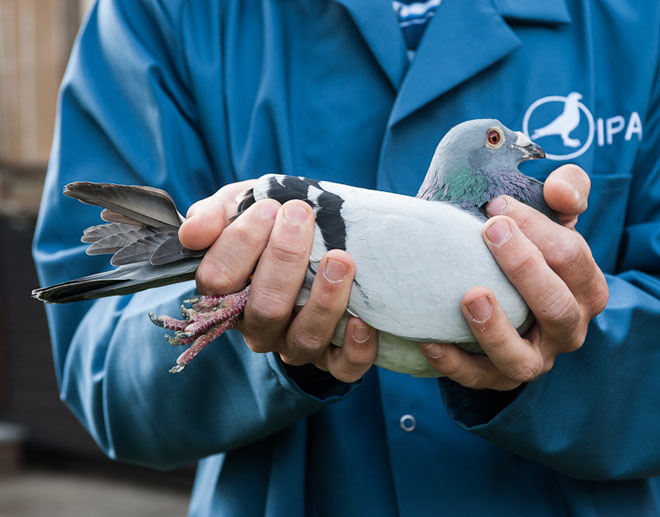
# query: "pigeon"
x,y
415,257
565,123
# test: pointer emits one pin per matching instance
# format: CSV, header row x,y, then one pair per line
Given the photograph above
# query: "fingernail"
x,y
295,214
496,206
480,309
498,232
361,333
268,210
335,271
434,350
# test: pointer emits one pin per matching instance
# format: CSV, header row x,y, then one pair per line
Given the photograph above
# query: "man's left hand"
x,y
552,267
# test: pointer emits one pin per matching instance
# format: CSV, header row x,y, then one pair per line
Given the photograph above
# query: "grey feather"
x,y
100,231
142,248
123,280
114,217
171,250
146,205
118,239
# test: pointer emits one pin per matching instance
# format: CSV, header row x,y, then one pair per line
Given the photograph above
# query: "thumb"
x,y
208,217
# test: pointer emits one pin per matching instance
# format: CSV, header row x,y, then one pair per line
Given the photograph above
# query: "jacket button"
x,y
408,423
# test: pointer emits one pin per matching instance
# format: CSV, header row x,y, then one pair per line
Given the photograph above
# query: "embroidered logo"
x,y
567,128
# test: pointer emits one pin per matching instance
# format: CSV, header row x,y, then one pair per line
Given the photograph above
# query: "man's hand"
x,y
272,243
552,267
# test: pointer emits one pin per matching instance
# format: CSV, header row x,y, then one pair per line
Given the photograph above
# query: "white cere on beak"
x,y
521,140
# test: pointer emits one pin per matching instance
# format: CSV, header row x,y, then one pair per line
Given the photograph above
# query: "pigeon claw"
x,y
205,320
155,320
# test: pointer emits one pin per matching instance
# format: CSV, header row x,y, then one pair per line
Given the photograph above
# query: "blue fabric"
x,y
188,96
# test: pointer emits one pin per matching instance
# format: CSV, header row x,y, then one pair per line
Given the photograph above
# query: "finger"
x,y
565,251
547,295
279,275
566,190
474,371
208,217
351,361
233,256
517,358
313,327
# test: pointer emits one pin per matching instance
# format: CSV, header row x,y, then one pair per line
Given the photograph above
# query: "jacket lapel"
x,y
379,27
463,38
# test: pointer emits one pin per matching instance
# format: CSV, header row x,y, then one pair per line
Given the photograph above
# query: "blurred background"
x,y
49,466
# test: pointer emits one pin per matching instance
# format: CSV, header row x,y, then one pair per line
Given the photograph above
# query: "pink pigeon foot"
x,y
207,318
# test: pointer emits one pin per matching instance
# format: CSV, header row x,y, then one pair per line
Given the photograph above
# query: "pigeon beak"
x,y
528,149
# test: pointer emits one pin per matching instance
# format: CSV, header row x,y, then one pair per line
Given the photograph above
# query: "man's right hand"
x,y
271,243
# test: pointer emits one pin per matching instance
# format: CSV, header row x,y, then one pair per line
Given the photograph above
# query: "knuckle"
x,y
360,357
448,365
291,360
526,370
203,279
322,307
268,306
495,340
241,233
562,312
349,363
576,340
548,364
288,252
521,212
600,295
471,380
256,345
506,384
345,376
523,265
574,344
571,250
305,345
213,278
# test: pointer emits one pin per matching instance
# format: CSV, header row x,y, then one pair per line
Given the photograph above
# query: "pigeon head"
x,y
476,161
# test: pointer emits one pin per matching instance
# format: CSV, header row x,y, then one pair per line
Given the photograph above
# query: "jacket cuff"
x,y
309,382
471,408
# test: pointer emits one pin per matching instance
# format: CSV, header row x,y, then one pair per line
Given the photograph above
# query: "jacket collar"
x,y
462,39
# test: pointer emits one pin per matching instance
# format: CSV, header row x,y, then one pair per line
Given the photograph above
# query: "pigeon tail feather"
x,y
123,280
147,206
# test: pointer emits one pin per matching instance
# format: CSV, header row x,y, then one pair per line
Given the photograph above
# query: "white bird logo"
x,y
565,123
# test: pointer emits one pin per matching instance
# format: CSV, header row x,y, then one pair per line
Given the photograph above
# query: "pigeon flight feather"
x,y
414,257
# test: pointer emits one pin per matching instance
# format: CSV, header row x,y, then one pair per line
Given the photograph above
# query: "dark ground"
x,y
43,492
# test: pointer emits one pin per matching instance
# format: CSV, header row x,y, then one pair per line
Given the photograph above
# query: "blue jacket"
x,y
190,95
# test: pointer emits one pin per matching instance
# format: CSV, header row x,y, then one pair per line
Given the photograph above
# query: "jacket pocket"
x,y
603,222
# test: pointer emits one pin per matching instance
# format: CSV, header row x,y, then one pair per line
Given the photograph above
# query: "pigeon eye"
x,y
494,138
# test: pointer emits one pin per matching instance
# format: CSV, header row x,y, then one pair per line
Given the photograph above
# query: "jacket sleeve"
x,y
595,414
126,115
